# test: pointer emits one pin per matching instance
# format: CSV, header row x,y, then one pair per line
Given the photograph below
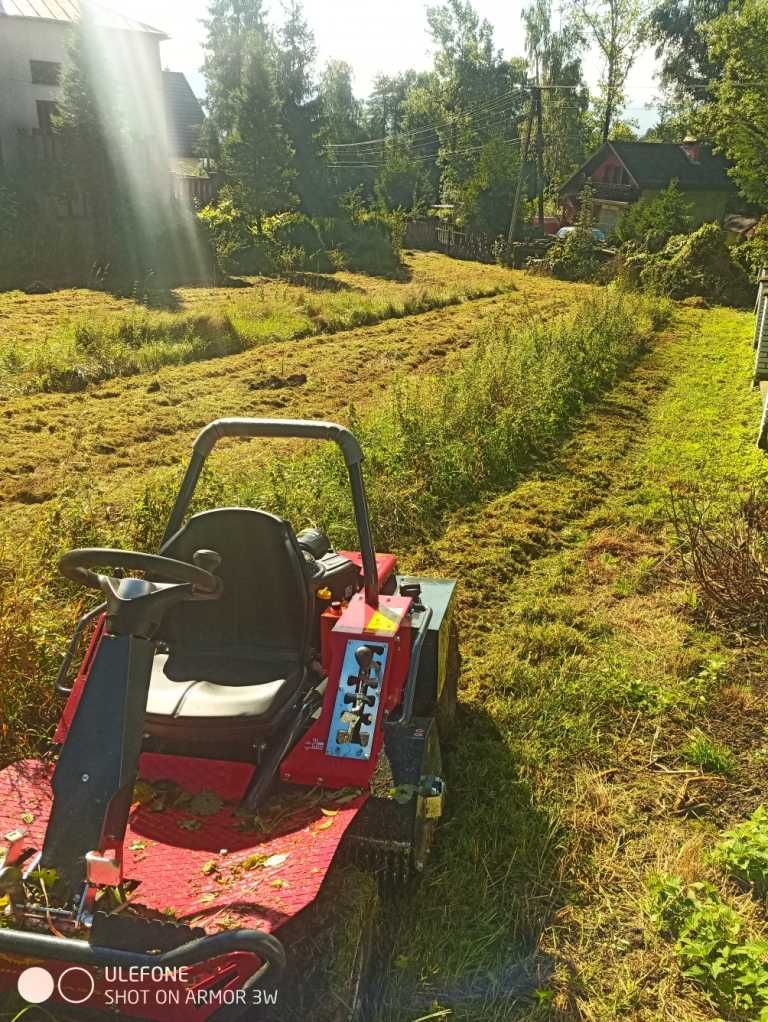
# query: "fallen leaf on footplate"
x,y
276,860
209,867
27,817
138,846
143,793
206,803
279,884
330,812
254,861
206,898
324,825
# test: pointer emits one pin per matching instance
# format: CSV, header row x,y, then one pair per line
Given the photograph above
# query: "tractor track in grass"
x,y
532,906
116,432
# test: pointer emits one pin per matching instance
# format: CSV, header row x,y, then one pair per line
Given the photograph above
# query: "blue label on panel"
x,y
358,700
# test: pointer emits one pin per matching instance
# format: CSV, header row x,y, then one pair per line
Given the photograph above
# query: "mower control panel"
x,y
358,700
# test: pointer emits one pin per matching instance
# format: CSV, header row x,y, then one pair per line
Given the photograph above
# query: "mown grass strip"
x,y
92,351
586,669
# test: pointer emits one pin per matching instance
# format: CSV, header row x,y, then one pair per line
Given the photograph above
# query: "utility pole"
x,y
540,152
521,172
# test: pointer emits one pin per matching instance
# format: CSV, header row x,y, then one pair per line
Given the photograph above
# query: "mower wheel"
x,y
446,706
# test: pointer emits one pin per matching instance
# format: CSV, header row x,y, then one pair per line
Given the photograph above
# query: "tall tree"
x,y
231,25
737,118
343,124
403,183
240,70
677,28
476,97
301,109
617,28
385,110
556,62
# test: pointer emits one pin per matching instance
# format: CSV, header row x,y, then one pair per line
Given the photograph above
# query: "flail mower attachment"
x,y
252,708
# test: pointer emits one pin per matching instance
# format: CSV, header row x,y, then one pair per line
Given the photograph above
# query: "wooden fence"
x,y
434,235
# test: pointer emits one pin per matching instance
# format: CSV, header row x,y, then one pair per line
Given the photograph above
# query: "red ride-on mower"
x,y
242,717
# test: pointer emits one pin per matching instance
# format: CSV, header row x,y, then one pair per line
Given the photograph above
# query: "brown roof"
x,y
69,11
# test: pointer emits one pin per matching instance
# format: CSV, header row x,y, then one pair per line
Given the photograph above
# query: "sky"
x,y
372,35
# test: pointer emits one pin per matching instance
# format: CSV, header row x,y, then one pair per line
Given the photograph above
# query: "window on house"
x,y
45,72
45,112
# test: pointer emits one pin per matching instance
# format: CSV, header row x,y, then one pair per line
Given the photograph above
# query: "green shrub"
x,y
368,245
712,947
299,241
575,257
238,248
697,264
752,254
743,852
654,219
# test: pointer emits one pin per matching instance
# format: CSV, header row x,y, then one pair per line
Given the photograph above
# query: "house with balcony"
x,y
624,172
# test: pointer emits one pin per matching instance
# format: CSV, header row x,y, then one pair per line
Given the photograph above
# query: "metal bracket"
x,y
17,847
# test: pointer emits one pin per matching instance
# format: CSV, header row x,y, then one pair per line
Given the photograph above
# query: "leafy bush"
x,y
575,257
698,264
238,248
743,852
713,949
369,244
752,254
295,233
653,220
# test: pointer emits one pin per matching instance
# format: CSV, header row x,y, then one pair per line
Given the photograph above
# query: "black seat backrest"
x,y
265,611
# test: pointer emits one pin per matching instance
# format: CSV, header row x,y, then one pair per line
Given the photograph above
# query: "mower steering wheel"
x,y
77,565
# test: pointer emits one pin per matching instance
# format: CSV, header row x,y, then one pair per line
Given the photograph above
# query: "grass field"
x,y
116,432
67,340
609,732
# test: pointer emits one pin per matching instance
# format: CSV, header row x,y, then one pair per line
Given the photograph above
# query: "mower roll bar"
x,y
299,429
195,952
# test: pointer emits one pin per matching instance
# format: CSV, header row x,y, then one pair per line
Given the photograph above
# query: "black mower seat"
x,y
234,664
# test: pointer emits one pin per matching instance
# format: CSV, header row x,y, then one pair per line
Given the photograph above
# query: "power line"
x,y
433,156
499,101
487,121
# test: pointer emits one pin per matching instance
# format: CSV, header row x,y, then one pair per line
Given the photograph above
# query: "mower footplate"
x,y
191,855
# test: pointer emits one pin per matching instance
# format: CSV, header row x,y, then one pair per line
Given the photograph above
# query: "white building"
x,y
34,37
